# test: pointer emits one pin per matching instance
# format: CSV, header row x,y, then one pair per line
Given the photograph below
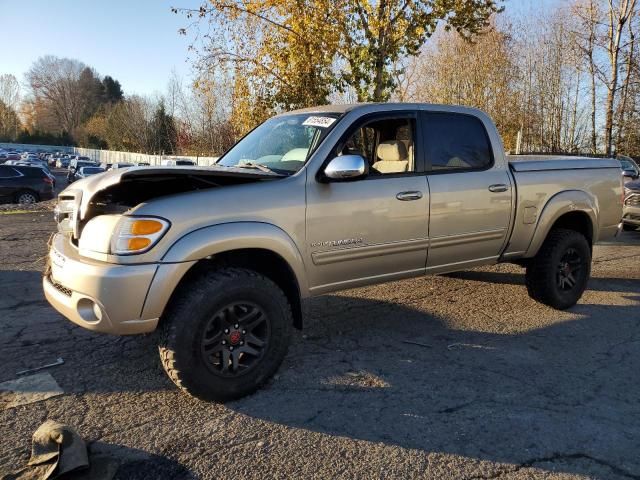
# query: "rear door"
x,y
470,191
9,182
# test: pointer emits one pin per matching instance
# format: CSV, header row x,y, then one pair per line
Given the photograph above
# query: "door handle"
x,y
500,187
408,196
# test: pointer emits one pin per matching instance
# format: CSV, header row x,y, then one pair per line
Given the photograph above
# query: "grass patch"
x,y
14,212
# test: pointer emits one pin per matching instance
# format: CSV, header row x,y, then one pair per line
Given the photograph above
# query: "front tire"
x,y
559,273
225,334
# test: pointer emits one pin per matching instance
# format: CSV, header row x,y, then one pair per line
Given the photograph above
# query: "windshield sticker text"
x,y
321,122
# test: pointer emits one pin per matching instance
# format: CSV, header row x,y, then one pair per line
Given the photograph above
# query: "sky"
x,y
134,41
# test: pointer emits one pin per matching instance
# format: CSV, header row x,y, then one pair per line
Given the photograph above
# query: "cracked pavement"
x,y
457,376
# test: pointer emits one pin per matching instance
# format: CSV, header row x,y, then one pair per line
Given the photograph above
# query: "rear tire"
x,y
558,275
225,334
26,197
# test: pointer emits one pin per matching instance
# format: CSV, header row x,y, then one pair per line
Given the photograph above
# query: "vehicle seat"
x,y
393,157
296,154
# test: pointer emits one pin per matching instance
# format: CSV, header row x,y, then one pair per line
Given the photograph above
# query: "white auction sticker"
x,y
322,122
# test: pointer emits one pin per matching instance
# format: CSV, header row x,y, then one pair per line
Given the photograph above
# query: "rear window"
x,y
8,172
456,141
31,171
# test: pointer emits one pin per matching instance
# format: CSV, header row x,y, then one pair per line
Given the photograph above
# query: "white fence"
x,y
110,156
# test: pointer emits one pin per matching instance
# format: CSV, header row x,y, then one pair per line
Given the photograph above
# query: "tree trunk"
x,y
625,87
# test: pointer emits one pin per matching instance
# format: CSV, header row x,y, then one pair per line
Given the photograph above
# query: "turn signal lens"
x,y
137,235
138,243
145,227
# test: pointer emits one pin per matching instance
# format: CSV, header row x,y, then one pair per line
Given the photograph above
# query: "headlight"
x,y
121,234
137,234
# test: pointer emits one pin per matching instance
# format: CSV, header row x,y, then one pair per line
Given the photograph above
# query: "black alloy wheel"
x,y
235,339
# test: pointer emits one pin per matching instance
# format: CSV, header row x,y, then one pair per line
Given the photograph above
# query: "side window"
x,y
8,172
456,142
388,145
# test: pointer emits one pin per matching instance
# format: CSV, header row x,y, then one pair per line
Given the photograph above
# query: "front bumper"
x,y
98,296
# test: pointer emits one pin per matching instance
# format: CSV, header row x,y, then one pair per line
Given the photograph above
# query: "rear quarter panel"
x,y
543,196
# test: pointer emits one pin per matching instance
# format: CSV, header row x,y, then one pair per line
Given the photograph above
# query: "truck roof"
x,y
383,106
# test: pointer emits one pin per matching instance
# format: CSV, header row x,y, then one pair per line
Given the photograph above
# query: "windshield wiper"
x,y
261,167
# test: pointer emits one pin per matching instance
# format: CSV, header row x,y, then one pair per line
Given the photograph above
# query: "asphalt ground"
x,y
459,376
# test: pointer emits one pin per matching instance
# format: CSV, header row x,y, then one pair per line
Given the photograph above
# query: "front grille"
x,y
632,200
62,289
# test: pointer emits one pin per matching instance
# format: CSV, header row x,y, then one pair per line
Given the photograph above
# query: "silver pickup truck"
x,y
219,258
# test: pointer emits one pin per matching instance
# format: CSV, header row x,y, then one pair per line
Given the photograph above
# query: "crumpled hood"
x,y
86,189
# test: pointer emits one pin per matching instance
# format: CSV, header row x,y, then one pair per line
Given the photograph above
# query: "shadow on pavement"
x,y
563,397
599,284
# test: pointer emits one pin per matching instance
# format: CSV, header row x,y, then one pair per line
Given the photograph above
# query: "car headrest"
x,y
392,151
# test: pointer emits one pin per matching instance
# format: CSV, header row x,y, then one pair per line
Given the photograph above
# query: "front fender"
x,y
207,241
560,204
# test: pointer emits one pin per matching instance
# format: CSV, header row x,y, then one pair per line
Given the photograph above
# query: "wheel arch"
x,y
262,247
573,210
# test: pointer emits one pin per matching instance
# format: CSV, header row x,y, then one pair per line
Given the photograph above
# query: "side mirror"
x,y
347,167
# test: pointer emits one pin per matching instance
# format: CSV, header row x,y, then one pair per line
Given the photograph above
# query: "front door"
x,y
374,228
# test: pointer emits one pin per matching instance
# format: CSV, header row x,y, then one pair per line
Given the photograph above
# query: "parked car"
x,y
105,166
312,202
37,165
85,172
75,165
116,166
173,162
63,162
630,169
631,209
35,161
25,184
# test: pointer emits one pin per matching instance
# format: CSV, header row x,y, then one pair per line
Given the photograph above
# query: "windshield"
x,y
282,144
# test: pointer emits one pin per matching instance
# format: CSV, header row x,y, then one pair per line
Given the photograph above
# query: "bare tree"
x,y
588,15
10,91
619,13
54,84
9,105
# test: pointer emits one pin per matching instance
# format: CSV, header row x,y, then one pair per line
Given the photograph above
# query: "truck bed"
x,y
538,179
534,163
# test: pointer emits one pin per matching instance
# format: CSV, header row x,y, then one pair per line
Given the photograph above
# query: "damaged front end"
x,y
117,192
